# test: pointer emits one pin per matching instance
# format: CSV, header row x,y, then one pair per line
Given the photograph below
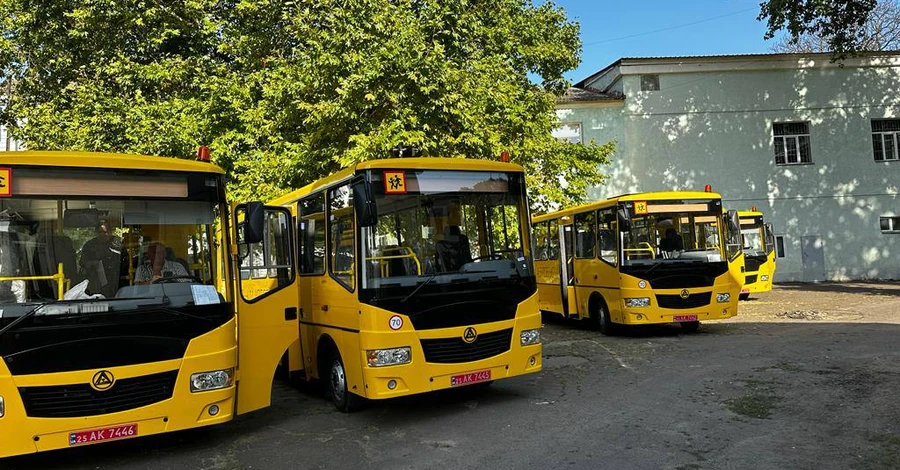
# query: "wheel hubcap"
x,y
338,381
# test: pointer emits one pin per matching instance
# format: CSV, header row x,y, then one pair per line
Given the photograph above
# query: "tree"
x,y
286,92
840,24
881,32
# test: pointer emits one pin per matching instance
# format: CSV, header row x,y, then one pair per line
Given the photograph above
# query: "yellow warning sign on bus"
x,y
640,207
394,182
5,182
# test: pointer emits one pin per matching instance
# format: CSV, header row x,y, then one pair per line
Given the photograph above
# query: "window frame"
x,y
301,234
578,219
780,134
779,246
893,224
290,251
880,136
614,228
329,262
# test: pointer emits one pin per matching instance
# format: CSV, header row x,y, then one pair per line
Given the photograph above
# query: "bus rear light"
x,y
215,380
389,357
529,337
637,302
723,298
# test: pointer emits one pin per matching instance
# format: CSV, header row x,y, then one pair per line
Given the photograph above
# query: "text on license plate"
x,y
685,318
103,434
470,378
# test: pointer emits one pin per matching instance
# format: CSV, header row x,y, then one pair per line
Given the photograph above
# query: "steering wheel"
x,y
491,257
170,279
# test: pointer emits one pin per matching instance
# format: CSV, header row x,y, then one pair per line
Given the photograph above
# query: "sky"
x,y
612,30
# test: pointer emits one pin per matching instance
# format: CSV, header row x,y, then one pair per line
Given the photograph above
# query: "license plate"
x,y
103,434
470,378
685,318
745,291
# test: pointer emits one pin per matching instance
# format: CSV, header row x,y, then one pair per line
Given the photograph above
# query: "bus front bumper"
x,y
689,311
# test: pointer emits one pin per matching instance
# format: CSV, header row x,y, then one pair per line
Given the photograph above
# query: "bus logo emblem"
x,y
685,294
470,335
103,380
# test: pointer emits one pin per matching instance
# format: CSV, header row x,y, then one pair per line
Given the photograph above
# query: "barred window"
x,y
886,139
791,143
890,224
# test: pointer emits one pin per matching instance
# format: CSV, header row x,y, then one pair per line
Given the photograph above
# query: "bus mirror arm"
x,y
254,222
366,212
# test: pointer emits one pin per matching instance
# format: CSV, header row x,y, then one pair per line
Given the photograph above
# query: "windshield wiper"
x,y
23,317
419,287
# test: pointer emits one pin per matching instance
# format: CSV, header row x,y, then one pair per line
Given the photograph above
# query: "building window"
x,y
886,139
791,143
890,224
568,132
779,246
649,82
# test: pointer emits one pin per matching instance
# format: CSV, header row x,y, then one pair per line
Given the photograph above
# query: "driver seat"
x,y
453,249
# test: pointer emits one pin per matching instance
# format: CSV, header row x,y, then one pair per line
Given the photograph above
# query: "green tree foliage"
x,y
842,23
284,92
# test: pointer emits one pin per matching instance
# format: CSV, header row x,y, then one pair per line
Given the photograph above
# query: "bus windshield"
x,y
93,252
453,227
673,237
752,235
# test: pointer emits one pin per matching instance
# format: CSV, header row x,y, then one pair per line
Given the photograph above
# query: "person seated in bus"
x,y
158,267
672,242
104,262
453,249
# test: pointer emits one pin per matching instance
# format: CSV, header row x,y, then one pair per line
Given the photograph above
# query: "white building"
x,y
7,143
812,143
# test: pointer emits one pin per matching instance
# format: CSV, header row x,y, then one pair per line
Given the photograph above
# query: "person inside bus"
x,y
453,249
158,267
104,262
672,242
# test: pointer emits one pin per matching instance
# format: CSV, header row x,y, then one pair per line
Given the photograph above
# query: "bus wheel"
x,y
601,320
690,326
344,400
744,296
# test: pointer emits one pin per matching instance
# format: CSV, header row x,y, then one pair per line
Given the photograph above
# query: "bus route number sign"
x,y
640,207
394,182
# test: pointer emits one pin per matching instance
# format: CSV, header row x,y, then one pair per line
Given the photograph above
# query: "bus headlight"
x,y
2,407
764,277
205,381
723,298
637,302
389,357
529,337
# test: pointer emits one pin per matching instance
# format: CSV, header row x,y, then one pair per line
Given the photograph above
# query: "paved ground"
x,y
805,377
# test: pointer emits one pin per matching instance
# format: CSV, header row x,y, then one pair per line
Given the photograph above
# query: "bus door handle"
x,y
290,313
324,308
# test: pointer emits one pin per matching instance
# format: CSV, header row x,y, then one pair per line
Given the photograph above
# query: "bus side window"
x,y
341,236
553,237
540,241
607,235
312,234
267,266
585,235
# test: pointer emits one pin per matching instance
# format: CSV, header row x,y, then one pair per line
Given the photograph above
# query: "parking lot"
x,y
806,376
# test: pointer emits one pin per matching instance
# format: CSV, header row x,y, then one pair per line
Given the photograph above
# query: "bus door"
x,y
566,266
266,299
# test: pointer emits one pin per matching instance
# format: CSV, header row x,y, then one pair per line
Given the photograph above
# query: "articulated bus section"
x,y
640,259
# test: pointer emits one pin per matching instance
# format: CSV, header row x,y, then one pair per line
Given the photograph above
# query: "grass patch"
x,y
887,455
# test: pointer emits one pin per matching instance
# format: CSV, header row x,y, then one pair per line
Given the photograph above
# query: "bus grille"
x,y
750,279
455,350
76,400
675,301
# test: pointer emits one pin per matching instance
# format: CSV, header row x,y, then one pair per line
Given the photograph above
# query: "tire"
x,y
601,320
690,326
744,296
344,400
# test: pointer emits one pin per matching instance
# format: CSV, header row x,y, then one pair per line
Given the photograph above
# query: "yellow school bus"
x,y
118,309
758,242
415,274
638,259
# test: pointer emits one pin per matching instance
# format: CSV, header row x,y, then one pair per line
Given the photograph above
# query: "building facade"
x,y
813,144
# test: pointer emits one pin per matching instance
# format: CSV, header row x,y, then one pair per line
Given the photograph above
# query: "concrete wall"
x,y
716,128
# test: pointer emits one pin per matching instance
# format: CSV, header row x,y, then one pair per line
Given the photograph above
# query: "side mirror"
x,y
254,222
623,217
364,203
734,221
